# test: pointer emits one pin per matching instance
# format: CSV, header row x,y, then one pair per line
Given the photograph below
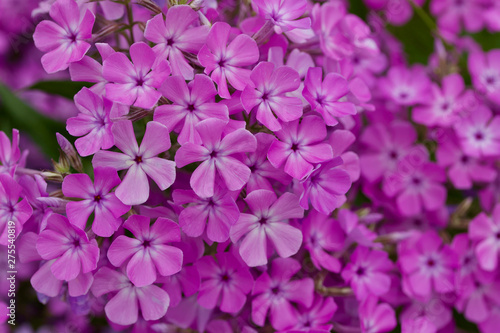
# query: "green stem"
x,y
424,16
130,15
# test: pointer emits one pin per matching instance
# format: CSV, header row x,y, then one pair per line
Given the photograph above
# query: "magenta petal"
x,y
155,141
81,285
141,269
48,35
123,309
285,238
105,178
234,172
203,179
118,68
122,249
242,51
209,294
165,230
77,186
123,133
51,244
162,171
153,301
167,259
193,220
232,300
286,207
190,153
112,159
78,212
253,248
67,267
134,189
143,57
44,282
238,141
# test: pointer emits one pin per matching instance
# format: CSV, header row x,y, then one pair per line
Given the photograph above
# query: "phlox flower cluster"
x,y
262,166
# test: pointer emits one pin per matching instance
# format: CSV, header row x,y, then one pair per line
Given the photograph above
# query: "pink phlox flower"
x,y
189,314
416,184
452,15
322,236
444,105
427,265
218,213
297,60
262,171
267,95
376,317
45,283
485,73
341,34
485,231
35,191
70,246
266,227
97,199
274,292
127,299
386,145
327,96
490,16
317,317
429,316
90,70
367,272
356,230
148,254
224,59
399,12
191,104
175,35
359,92
93,122
325,187
64,40
468,270
224,283
183,284
12,209
405,86
300,147
479,133
286,17
135,83
218,154
478,300
140,161
462,169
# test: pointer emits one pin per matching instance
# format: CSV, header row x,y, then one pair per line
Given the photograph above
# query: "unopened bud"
x,y
52,176
150,5
107,30
69,152
196,4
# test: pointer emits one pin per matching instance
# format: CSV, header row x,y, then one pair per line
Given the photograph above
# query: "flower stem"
x,y
264,32
130,16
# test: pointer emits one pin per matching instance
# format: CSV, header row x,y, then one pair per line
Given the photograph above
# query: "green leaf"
x,y
66,89
487,40
40,128
416,38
